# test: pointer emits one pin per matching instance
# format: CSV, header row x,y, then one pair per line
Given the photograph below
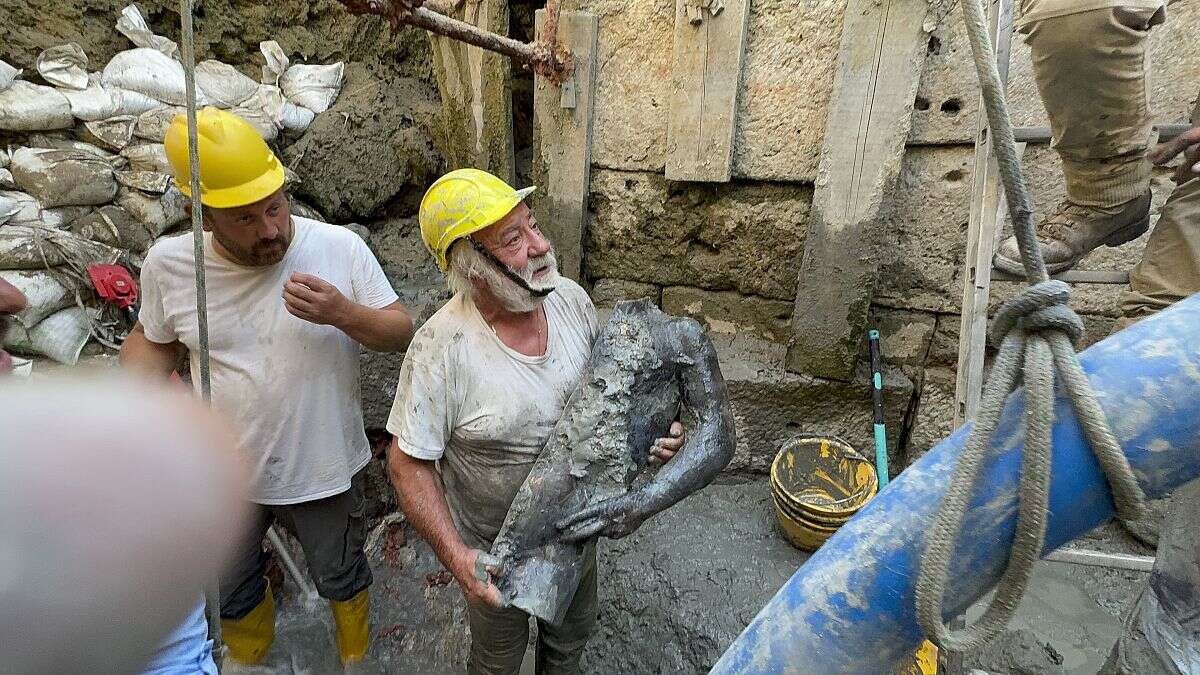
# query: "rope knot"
x,y
1042,307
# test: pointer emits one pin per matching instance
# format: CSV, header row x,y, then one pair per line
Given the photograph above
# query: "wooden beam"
x,y
710,48
562,135
476,90
879,66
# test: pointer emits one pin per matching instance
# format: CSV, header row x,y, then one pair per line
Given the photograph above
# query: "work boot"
x,y
352,631
1072,231
248,639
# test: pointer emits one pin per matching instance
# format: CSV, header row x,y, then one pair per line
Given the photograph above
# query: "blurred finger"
x,y
584,530
584,514
671,444
299,291
1165,152
676,429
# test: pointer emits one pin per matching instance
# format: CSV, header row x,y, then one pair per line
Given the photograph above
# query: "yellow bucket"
x,y
817,484
802,535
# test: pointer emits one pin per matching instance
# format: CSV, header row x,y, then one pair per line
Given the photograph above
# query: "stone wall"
x,y
728,254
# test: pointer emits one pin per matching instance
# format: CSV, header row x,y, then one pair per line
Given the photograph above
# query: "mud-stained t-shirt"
x,y
1030,11
288,387
485,411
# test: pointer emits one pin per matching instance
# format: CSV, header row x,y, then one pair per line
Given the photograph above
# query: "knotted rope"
x,y
1037,331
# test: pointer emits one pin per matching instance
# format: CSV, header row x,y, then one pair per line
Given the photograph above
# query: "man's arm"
x,y
387,329
424,504
151,359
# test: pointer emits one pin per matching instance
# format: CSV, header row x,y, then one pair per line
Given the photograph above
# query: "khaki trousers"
x,y
1090,62
499,636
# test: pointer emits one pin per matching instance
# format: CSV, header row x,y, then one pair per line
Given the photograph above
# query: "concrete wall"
x,y
728,254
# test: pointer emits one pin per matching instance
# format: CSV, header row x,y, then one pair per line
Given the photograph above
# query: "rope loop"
x,y
1038,308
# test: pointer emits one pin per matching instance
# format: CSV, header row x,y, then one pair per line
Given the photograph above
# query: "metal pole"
x,y
1122,561
851,609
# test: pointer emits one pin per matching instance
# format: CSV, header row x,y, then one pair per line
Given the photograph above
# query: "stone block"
x,y
771,405
675,594
904,335
791,52
729,312
933,418
608,292
738,236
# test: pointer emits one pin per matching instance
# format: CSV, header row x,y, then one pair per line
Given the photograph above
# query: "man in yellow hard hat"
x,y
290,302
481,388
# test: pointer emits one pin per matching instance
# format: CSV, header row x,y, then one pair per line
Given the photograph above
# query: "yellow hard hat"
x,y
461,203
236,166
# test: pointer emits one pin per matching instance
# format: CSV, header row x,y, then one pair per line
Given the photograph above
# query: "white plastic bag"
x,y
28,210
63,177
150,72
45,293
64,66
7,182
133,26
56,143
112,134
223,85
61,217
8,207
148,157
60,336
145,181
8,74
264,111
25,106
277,62
313,87
159,213
152,125
114,226
99,102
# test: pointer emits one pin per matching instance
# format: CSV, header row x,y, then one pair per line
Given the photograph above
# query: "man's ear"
x,y
204,215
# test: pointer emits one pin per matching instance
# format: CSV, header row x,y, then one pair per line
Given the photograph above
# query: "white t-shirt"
x,y
484,410
290,387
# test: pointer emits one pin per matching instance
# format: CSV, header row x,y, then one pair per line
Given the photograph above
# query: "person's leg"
x,y
559,647
499,637
1090,67
332,532
247,605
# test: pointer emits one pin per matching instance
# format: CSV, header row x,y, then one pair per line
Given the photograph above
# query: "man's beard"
x,y
261,254
510,295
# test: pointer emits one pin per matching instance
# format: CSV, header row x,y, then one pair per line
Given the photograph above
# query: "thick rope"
x,y
1036,331
212,594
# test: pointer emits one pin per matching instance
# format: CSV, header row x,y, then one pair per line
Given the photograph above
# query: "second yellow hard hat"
x,y
461,203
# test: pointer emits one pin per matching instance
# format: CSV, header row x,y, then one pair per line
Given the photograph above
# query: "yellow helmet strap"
x,y
508,271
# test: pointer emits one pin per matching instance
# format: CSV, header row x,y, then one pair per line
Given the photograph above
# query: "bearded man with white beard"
x,y
482,385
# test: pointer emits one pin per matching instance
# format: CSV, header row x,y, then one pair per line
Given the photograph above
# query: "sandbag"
x,y
60,143
45,292
222,84
299,208
152,124
24,247
6,181
25,106
29,210
150,72
145,181
63,177
133,26
263,111
148,157
8,207
60,336
313,87
64,66
114,226
159,213
99,102
112,134
8,75
276,62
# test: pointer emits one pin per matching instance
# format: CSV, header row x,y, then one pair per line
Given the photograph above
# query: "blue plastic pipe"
x,y
850,608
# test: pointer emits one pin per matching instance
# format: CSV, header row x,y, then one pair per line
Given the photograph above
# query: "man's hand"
x,y
665,448
613,518
316,300
479,592
1189,144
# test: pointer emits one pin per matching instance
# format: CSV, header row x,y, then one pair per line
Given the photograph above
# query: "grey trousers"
x,y
499,637
331,531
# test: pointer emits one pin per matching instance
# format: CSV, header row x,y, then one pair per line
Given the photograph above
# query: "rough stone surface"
x,y
674,594
1021,652
608,292
933,418
647,229
728,312
791,52
372,148
905,336
771,405
419,283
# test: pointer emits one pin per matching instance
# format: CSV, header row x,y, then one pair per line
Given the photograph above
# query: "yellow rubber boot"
x,y
250,637
353,633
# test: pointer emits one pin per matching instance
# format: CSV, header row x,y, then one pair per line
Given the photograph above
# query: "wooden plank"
x,y
987,216
710,47
1166,132
563,138
883,49
476,90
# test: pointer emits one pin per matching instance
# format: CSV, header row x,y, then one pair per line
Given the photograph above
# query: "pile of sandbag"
x,y
86,180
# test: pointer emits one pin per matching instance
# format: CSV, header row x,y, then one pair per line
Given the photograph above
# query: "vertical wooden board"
x,y
710,49
476,92
563,138
879,66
